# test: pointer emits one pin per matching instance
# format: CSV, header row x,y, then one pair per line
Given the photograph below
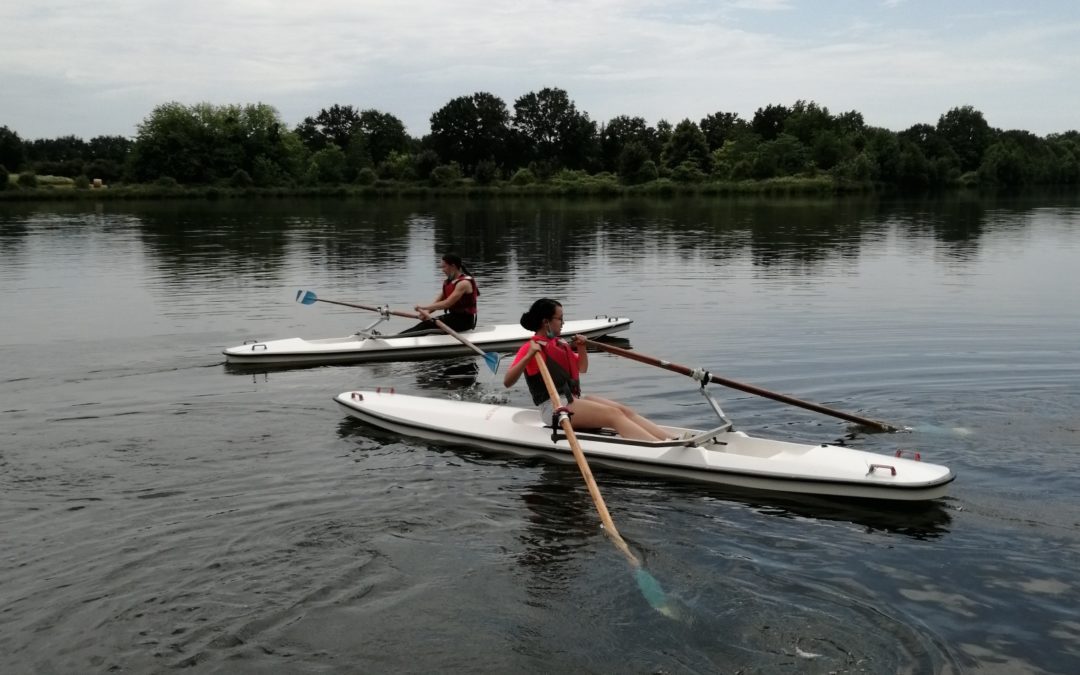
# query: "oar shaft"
x,y
460,338
407,315
583,466
491,358
749,388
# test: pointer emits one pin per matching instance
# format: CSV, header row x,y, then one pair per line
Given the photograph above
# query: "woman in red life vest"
x,y
457,299
565,364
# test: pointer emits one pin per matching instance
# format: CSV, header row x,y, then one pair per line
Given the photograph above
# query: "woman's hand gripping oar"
x,y
490,358
648,584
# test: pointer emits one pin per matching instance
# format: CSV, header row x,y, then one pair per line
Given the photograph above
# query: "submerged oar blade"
x,y
492,360
306,297
654,594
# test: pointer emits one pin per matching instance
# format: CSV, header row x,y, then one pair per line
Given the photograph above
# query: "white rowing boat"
x,y
367,345
719,455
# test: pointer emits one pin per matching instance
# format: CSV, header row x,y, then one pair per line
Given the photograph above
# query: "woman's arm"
x,y
445,303
582,354
515,371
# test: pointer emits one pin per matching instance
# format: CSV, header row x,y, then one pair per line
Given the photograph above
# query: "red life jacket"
x,y
562,363
466,304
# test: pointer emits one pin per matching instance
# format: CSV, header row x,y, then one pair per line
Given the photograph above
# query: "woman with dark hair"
x,y
457,299
545,319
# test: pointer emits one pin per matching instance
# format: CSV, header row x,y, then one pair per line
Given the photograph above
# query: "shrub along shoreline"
x,y
592,187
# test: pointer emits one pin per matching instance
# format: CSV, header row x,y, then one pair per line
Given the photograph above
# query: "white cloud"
x,y
90,68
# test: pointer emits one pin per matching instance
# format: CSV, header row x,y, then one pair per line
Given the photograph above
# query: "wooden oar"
x,y
490,358
705,376
648,584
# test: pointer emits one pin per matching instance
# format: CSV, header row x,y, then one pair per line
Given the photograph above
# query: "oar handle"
x,y
705,377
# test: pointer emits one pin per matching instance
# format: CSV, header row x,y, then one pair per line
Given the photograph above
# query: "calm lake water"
x,y
161,510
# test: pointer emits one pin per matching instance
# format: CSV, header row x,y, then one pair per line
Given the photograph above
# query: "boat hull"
x,y
730,458
355,348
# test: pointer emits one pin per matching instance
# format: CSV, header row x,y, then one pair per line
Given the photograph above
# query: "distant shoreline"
x,y
787,186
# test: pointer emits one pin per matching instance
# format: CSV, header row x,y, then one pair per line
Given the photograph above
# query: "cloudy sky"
x,y
94,67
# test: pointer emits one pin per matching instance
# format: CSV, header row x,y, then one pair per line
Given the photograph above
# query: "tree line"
x,y
479,140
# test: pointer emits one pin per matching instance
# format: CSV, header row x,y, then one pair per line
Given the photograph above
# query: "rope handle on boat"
x,y
881,466
916,455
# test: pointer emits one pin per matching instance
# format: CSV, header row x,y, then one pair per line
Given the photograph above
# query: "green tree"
x,y
943,164
446,174
687,144
635,164
806,121
486,172
618,133
380,134
882,147
663,135
107,156
424,163
1066,149
61,156
850,123
470,129
205,143
912,167
332,126
109,148
12,152
967,132
327,166
768,122
1003,165
783,156
721,127
738,151
398,166
555,130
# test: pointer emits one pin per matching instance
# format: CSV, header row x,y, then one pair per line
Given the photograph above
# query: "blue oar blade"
x,y
306,297
492,360
654,595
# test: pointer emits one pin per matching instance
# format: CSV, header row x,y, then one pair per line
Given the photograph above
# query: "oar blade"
x,y
492,360
653,593
306,297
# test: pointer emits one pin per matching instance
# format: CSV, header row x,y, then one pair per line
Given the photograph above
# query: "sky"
x,y
99,67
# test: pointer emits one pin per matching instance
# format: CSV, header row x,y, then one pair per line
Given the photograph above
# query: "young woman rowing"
x,y
566,364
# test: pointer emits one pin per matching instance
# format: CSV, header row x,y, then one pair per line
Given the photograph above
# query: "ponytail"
x,y
542,309
455,260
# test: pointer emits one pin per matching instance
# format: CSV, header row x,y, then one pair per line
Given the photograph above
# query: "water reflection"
x,y
560,519
512,239
924,520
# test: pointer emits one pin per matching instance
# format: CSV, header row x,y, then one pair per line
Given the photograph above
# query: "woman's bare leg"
x,y
591,414
657,432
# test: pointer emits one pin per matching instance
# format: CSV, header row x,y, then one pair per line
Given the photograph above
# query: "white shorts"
x,y
546,410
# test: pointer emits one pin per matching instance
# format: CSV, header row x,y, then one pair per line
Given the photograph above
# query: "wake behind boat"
x,y
720,455
368,345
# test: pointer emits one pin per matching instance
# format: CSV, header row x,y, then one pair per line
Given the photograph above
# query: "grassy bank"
x,y
53,189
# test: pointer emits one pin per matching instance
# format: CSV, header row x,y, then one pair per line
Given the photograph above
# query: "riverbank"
x,y
588,187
